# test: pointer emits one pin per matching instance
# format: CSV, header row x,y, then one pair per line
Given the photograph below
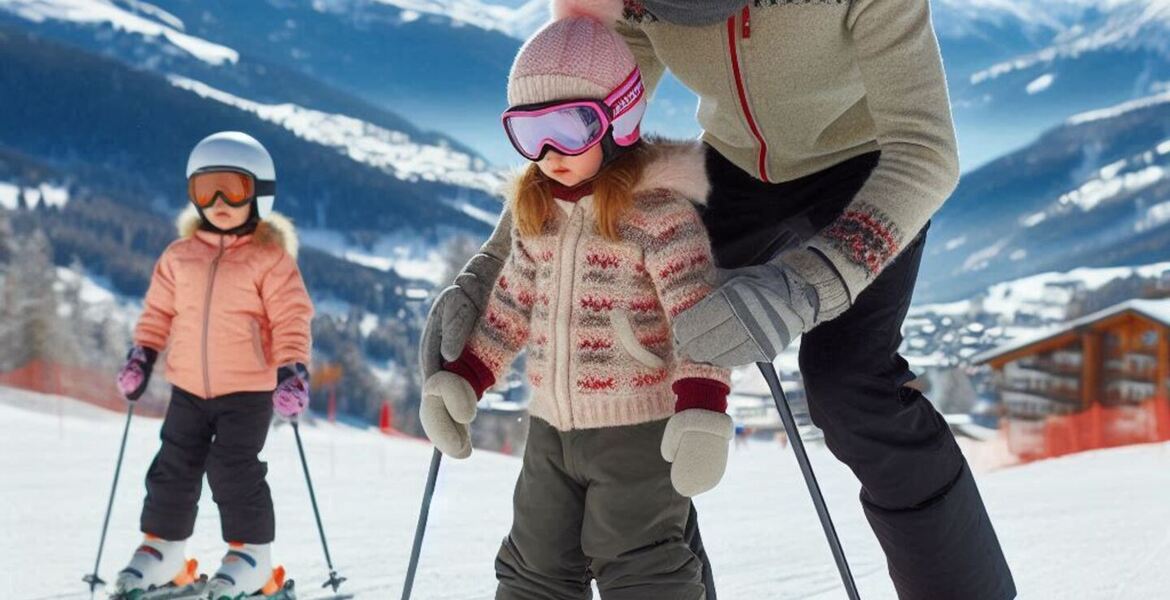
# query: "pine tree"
x,y
5,240
31,327
85,332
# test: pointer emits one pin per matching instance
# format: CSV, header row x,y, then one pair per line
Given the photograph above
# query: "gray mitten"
x,y
695,443
457,308
448,406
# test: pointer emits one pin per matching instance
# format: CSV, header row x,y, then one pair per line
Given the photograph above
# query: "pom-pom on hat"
x,y
606,11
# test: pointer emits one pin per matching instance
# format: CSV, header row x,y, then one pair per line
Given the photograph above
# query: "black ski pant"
x,y
917,490
222,437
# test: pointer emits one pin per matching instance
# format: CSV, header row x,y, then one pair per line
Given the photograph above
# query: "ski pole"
x,y
334,581
93,579
810,478
416,549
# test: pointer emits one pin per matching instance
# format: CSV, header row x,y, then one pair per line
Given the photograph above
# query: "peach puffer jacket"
x,y
228,310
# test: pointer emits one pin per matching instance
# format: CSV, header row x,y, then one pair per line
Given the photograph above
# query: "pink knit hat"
x,y
576,55
579,55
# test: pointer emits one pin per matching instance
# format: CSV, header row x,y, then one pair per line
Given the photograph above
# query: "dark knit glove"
x,y
135,375
291,396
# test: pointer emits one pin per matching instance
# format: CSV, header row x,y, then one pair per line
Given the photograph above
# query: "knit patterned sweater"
x,y
788,88
595,314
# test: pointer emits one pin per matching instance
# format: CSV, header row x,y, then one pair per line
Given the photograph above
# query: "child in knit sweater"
x,y
607,248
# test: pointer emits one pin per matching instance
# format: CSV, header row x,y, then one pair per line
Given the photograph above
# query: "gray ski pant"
x,y
597,503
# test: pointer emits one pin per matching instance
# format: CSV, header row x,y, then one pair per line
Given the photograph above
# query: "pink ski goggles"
x,y
572,127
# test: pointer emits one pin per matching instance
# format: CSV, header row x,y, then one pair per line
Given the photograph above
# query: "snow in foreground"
x,y
1087,526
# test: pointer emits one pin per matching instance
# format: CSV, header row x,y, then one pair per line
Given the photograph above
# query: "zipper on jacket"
x,y
562,319
733,47
207,317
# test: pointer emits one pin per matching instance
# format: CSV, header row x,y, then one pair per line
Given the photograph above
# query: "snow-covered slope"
x,y
1064,528
393,152
152,23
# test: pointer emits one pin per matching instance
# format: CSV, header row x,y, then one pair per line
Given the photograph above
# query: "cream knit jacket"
x,y
595,314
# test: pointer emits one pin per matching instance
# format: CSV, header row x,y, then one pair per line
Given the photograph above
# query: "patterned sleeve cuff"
x,y
471,368
699,392
818,271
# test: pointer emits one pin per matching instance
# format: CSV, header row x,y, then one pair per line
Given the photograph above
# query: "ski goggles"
x,y
572,127
236,187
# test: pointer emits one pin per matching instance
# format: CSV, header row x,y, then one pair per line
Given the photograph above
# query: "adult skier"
x,y
829,145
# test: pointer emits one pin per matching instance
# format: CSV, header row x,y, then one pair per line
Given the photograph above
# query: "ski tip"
x,y
276,582
286,591
189,574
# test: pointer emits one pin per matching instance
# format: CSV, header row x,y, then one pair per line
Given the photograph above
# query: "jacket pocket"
x,y
258,345
624,331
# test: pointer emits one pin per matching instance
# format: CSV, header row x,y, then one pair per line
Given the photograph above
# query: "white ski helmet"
x,y
235,150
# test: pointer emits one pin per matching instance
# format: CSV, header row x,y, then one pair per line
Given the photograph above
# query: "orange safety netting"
x,y
1097,427
95,386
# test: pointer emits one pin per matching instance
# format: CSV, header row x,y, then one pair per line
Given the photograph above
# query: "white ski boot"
x,y
246,572
156,564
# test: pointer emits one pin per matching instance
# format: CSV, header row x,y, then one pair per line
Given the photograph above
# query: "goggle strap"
x,y
626,95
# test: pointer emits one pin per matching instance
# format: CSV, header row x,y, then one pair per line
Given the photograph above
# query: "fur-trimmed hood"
x,y
276,230
679,166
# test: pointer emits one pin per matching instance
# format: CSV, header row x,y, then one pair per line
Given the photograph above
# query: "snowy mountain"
x,y
363,176
1018,68
379,61
1094,191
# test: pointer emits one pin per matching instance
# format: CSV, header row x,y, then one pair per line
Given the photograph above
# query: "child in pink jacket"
x,y
228,305
607,248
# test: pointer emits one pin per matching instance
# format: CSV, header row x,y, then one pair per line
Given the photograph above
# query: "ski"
x,y
198,591
191,591
286,592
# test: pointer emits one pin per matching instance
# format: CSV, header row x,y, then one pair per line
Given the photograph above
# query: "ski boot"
x,y
158,570
246,573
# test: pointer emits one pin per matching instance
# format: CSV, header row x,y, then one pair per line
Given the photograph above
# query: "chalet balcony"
x,y
1029,405
1137,373
1119,399
1057,368
1061,394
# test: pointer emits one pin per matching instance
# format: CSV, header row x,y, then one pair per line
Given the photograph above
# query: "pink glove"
x,y
135,375
291,397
